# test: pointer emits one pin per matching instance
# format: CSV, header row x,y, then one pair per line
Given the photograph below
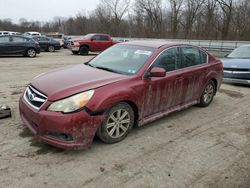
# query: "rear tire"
x,y
119,121
51,48
208,94
31,53
84,50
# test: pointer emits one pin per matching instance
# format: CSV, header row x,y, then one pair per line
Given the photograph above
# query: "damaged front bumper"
x,y
67,131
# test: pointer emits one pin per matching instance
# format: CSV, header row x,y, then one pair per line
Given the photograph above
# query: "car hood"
x,y
236,63
68,81
79,40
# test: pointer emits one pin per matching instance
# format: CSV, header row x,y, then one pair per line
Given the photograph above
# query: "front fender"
x,y
106,98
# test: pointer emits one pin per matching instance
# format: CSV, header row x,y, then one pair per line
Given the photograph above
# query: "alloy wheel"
x,y
31,53
118,123
208,93
51,49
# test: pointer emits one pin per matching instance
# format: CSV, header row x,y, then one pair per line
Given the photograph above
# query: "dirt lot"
x,y
198,147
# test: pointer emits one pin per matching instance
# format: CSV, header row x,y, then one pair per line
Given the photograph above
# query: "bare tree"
x,y
227,9
152,13
175,16
193,10
116,9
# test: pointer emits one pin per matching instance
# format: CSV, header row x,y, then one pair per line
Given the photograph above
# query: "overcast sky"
x,y
44,10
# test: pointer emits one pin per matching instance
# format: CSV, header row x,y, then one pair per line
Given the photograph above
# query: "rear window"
x,y
193,56
104,38
19,39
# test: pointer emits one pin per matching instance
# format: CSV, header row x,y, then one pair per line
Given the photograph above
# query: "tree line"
x,y
184,19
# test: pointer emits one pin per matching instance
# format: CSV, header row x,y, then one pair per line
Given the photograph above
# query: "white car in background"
x,y
9,33
32,33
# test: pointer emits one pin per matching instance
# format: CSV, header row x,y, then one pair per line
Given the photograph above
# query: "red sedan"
x,y
129,84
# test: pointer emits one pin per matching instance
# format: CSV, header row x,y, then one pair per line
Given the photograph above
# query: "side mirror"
x,y
157,72
92,39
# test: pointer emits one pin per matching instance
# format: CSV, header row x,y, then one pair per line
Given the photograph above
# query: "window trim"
x,y
180,54
197,49
11,39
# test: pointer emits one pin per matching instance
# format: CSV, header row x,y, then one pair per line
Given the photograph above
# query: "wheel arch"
x,y
216,84
134,108
86,45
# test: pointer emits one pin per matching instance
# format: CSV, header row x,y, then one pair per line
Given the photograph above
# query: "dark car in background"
x,y
237,66
66,41
47,44
15,45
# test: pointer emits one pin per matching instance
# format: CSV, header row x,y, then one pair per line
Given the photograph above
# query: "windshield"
x,y
123,59
87,36
241,53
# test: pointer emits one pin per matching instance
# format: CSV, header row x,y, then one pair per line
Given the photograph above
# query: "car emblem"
x,y
31,96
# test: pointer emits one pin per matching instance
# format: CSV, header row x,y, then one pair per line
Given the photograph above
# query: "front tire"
x,y
208,94
118,123
84,50
31,53
75,52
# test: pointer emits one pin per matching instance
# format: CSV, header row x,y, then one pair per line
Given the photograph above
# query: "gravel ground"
x,y
197,147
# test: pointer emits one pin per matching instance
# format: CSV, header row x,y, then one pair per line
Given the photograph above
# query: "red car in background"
x,y
129,84
91,43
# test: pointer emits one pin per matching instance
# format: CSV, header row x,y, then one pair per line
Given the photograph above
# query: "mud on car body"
x,y
129,84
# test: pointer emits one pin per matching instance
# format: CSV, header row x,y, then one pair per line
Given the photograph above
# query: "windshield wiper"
x,y
90,65
107,69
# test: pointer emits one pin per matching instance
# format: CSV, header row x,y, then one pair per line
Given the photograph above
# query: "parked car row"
x,y
9,33
18,45
27,46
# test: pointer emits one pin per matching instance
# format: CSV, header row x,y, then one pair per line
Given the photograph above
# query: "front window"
x,y
4,39
89,36
240,53
169,60
123,59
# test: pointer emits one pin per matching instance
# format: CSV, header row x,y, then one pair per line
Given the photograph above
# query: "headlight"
x,y
72,103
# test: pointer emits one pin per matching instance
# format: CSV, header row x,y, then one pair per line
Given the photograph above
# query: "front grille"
x,y
236,69
35,98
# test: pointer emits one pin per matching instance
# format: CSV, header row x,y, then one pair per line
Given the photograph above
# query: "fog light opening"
x,y
61,136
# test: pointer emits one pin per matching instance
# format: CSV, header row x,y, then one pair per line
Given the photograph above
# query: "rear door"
x,y
105,42
44,42
195,68
95,44
100,42
18,44
5,45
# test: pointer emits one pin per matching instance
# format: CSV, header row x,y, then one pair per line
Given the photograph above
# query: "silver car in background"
x,y
237,66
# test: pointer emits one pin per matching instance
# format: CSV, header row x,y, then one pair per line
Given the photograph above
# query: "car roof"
x,y
151,43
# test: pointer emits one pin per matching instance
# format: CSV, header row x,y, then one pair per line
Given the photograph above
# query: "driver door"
x,y
5,46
